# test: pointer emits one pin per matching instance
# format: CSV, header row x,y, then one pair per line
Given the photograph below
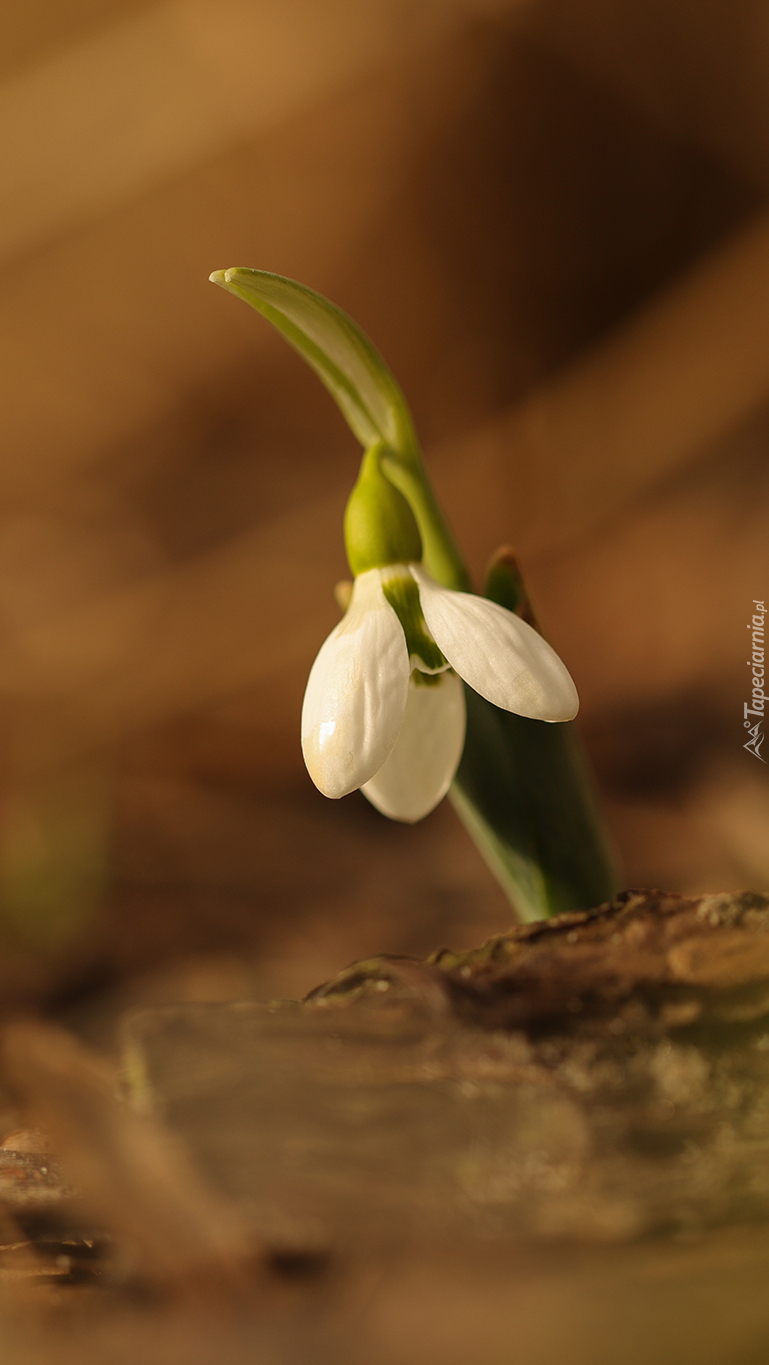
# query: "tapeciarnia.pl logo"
x,y
755,707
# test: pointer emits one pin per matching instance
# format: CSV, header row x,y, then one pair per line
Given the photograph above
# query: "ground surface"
x,y
557,1144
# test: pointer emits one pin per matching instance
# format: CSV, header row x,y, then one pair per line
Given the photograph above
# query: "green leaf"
x,y
524,793
339,352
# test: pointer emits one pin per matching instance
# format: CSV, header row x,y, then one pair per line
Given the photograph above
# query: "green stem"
x,y
439,549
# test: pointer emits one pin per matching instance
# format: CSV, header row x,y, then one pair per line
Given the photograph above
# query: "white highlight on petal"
x,y
356,693
419,771
497,653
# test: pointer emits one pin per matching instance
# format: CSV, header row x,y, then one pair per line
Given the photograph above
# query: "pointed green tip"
x,y
235,279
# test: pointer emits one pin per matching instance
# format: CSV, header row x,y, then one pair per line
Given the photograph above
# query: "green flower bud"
x,y
505,586
379,526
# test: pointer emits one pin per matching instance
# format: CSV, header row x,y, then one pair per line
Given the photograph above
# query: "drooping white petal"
x,y
356,693
418,772
497,653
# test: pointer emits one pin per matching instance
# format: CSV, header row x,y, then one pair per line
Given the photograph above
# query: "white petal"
x,y
356,692
497,653
420,768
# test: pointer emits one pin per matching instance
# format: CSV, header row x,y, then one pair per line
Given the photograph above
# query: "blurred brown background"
x,y
550,218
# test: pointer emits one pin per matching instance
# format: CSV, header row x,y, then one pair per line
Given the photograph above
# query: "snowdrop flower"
x,y
384,708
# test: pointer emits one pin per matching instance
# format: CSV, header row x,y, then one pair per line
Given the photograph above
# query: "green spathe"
x,y
361,384
339,352
379,526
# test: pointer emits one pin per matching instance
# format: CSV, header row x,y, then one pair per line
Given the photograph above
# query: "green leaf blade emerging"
x,y
523,790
